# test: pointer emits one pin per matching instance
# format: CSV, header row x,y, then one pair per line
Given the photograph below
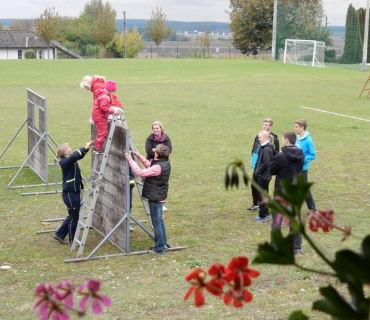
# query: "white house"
x,y
14,44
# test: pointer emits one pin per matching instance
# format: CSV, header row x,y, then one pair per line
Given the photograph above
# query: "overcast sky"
x,y
179,10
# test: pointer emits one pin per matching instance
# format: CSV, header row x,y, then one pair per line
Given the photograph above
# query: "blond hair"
x,y
87,81
269,121
270,137
158,123
61,151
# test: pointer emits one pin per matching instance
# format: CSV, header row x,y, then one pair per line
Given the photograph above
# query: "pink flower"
x,y
89,290
280,217
48,304
64,291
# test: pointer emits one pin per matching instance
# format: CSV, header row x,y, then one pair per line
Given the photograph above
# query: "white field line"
x,y
337,114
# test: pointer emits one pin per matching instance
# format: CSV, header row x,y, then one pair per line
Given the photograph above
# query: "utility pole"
x,y
366,37
274,54
124,34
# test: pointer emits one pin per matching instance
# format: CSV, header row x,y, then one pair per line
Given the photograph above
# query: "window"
x,y
41,54
19,54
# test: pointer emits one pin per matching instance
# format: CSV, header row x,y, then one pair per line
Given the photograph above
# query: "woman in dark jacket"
x,y
157,137
261,172
72,185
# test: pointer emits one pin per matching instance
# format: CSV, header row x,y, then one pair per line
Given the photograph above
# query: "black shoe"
x,y
253,208
60,240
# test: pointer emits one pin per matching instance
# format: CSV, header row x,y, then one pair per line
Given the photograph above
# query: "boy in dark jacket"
x,y
266,126
287,165
261,173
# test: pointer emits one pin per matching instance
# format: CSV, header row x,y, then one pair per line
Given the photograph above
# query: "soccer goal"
x,y
304,52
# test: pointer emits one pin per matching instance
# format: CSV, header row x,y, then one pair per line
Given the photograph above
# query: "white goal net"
x,y
304,52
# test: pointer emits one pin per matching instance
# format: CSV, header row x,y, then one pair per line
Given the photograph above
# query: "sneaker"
x,y
131,229
60,240
166,246
259,219
164,208
298,252
253,208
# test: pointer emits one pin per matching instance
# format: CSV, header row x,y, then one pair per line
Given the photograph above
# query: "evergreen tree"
x,y
352,43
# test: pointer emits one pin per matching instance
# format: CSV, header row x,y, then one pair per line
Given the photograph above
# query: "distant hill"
x,y
178,26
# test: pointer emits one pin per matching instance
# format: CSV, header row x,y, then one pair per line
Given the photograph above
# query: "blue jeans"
x,y
72,201
156,212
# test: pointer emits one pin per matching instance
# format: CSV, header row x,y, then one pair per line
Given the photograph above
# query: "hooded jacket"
x,y
265,156
256,147
287,164
99,84
308,148
101,106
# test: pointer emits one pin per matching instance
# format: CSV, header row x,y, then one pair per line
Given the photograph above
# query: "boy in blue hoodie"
x,y
305,143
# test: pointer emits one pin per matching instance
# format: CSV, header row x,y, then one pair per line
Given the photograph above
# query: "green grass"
x,y
212,110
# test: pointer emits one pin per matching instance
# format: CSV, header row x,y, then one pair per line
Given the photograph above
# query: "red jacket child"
x,y
100,111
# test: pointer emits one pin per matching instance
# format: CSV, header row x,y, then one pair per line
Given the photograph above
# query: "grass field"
x,y
212,110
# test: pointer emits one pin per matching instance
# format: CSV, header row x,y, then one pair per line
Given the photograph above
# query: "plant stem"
x,y
317,250
315,271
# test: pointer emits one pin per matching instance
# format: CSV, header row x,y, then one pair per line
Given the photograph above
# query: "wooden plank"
x,y
38,161
111,202
35,99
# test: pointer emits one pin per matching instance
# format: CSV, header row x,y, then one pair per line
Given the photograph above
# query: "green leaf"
x,y
280,253
295,192
298,315
335,305
352,267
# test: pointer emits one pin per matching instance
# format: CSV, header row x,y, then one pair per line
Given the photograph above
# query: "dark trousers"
x,y
254,191
263,210
297,239
73,202
309,201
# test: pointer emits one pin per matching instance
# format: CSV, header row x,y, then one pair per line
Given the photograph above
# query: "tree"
x,y
301,20
157,28
22,24
104,26
47,26
92,9
75,34
351,43
205,41
251,24
134,44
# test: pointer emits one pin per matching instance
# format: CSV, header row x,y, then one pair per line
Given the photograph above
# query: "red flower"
x,y
321,219
238,270
197,279
237,297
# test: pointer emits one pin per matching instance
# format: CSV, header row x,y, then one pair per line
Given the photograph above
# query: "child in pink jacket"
x,y
102,108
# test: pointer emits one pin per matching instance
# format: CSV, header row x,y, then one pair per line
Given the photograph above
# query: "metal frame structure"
x,y
90,204
296,60
38,144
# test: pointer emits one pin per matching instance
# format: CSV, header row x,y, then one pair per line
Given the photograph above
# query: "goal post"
x,y
304,52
